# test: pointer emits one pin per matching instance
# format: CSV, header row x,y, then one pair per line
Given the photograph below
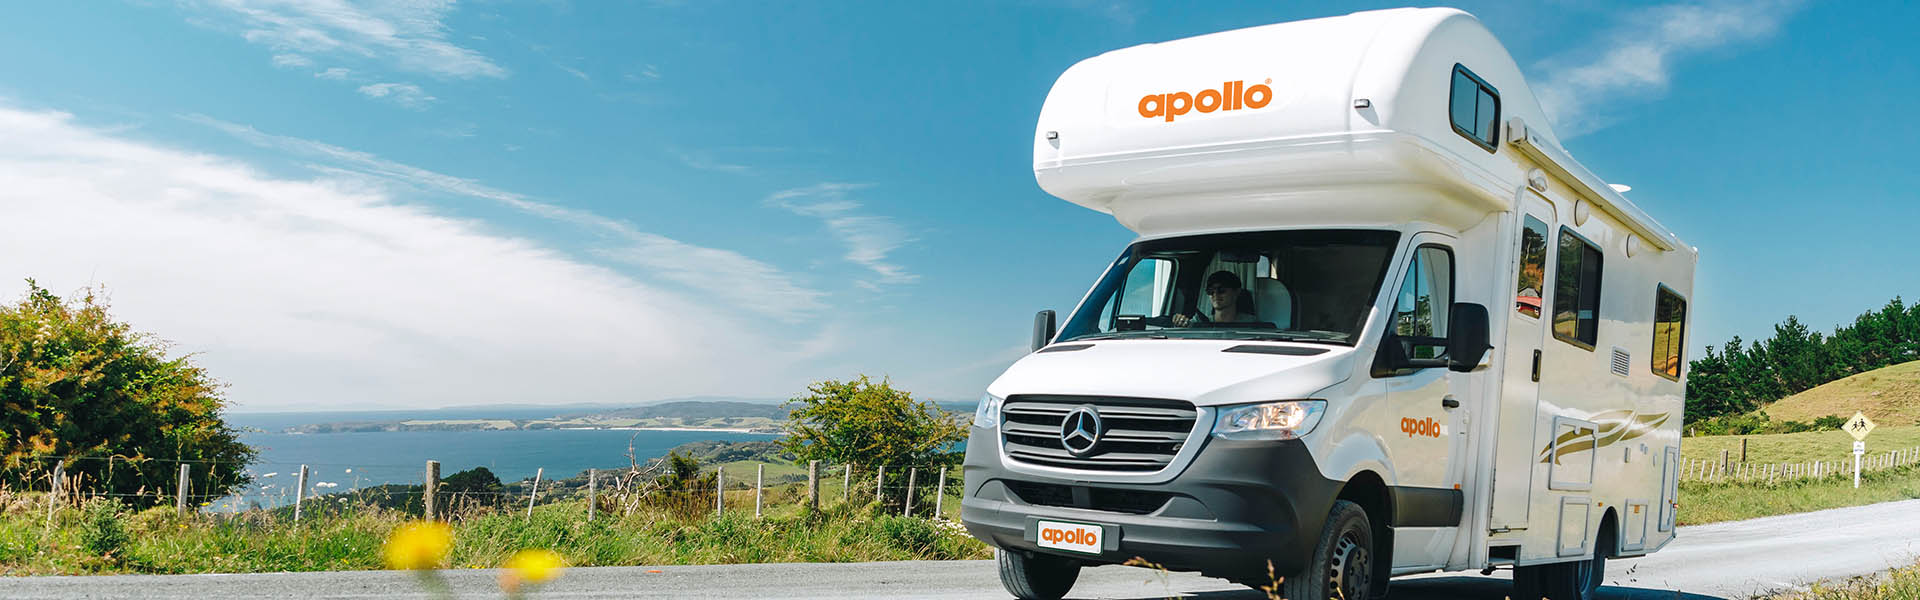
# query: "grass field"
x,y
1889,396
1798,447
1702,503
1713,502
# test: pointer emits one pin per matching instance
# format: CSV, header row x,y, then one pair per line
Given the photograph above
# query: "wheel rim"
x,y
1350,573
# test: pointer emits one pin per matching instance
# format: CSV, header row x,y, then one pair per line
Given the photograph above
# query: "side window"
x,y
1533,268
1475,108
1576,291
1669,332
1421,310
1146,292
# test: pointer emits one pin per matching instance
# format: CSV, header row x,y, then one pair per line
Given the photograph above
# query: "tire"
x,y
1341,567
1036,576
1577,580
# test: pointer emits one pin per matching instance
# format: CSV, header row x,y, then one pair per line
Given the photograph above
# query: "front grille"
x,y
1136,434
1135,502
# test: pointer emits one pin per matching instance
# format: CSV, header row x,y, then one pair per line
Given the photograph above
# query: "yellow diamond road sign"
x,y
1859,426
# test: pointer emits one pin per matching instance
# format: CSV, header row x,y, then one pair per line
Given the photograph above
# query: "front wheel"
x,y
1036,576
1342,564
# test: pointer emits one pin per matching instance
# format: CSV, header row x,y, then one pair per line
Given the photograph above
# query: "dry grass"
x,y
1898,584
1834,446
1889,396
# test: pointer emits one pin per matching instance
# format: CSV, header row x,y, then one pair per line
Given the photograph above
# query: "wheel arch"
x,y
1369,490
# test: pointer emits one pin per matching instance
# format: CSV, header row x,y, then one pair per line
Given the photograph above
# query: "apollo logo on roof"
x,y
1232,95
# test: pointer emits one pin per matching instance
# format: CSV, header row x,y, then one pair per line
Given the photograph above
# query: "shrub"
x,y
103,530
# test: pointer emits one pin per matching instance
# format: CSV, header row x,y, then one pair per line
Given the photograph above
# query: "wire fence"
x,y
295,491
1727,470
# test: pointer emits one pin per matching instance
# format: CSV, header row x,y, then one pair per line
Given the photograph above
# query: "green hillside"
x,y
1889,396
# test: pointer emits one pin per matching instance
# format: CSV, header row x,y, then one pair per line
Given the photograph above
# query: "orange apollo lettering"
x,y
1232,95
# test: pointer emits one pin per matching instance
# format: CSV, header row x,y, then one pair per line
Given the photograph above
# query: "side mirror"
x,y
1467,340
1043,328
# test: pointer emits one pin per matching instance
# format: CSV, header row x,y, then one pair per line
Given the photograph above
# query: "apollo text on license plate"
x,y
1077,537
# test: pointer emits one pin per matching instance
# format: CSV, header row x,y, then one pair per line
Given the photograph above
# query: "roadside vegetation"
x,y
1702,502
103,536
1897,584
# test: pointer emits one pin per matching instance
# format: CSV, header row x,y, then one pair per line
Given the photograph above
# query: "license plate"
x,y
1073,537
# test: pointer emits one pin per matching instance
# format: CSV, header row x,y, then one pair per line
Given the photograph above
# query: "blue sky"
x,y
343,205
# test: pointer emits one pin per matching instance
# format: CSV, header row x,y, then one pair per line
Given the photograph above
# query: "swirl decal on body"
x,y
1610,427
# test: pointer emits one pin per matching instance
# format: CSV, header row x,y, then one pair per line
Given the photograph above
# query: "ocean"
x,y
338,462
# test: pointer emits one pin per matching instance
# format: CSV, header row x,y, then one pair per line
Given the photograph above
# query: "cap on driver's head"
x,y
1223,279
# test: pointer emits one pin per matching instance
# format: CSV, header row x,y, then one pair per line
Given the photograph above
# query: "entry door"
x,y
1515,448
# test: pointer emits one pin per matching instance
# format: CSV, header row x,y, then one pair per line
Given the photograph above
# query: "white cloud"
x,y
1635,59
328,293
334,73
411,36
730,276
575,72
403,94
291,60
869,239
706,162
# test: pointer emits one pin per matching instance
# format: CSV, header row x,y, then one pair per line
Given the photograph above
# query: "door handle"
x,y
1449,402
1536,366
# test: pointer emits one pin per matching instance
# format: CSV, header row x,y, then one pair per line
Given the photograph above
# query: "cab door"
x,y
1515,447
1426,431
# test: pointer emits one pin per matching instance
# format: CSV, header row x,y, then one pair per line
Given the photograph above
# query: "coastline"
x,y
712,429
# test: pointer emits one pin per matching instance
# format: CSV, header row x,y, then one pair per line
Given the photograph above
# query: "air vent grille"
x,y
1621,361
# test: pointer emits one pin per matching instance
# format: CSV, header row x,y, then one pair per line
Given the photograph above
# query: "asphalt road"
x,y
1725,560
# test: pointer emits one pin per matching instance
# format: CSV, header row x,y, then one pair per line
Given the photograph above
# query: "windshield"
x,y
1308,286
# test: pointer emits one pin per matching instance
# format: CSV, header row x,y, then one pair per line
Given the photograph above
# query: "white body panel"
x,y
1311,158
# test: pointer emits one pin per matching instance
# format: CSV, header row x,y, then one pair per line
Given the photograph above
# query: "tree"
x,y
78,386
866,423
477,485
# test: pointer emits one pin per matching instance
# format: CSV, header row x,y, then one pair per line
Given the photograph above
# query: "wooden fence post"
x,y
180,491
759,481
1724,460
430,491
1743,450
593,493
534,492
940,494
846,483
912,474
813,485
719,491
879,481
53,487
299,495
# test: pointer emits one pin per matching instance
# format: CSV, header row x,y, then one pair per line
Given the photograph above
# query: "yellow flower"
x,y
529,567
419,545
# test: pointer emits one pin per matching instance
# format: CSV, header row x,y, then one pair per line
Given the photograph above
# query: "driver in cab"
x,y
1223,290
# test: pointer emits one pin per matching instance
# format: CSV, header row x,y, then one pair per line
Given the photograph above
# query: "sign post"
x,y
1858,427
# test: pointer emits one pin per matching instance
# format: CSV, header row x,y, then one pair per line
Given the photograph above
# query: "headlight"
x,y
988,413
1268,420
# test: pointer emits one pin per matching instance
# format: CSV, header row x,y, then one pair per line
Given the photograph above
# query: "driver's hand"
x,y
1180,320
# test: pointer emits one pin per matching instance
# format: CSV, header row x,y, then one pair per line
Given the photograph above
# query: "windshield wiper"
x,y
1270,336
1119,335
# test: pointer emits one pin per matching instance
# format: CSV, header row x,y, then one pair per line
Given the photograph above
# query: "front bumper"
x,y
1234,508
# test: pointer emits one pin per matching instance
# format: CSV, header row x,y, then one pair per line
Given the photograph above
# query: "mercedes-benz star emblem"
x,y
1080,431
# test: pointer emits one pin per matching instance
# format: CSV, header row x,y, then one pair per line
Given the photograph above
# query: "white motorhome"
x,y
1377,322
